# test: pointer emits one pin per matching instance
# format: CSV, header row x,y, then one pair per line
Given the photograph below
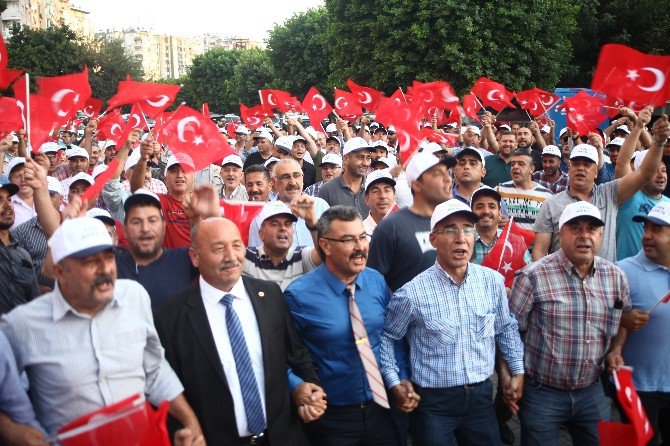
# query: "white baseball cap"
x,y
449,208
79,237
659,214
545,129
276,207
381,143
81,176
132,159
472,151
433,147
331,128
97,170
75,151
563,131
616,142
233,159
390,129
379,176
270,160
331,158
16,161
382,160
623,128
108,143
354,145
585,151
143,195
242,130
179,159
53,185
265,134
101,215
506,127
473,129
49,147
639,157
552,150
418,164
284,143
578,210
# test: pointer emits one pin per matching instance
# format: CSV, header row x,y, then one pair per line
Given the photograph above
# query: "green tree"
x,y
108,63
387,44
252,73
300,52
210,79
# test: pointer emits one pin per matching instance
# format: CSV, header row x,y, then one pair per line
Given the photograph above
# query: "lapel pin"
x,y
261,294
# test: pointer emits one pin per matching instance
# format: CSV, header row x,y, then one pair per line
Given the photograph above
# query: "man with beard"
x,y
275,259
18,282
469,172
330,167
265,144
77,161
349,188
380,197
287,181
551,176
338,310
231,171
161,271
91,342
528,138
497,166
257,182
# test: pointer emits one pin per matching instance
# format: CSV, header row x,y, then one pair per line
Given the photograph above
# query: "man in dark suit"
x,y
229,339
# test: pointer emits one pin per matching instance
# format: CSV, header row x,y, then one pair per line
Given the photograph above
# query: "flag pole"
x,y
403,94
28,112
145,119
662,299
509,228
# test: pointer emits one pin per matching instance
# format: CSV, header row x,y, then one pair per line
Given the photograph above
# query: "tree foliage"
x,y
108,63
300,52
253,72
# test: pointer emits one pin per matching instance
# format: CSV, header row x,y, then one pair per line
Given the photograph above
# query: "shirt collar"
x,y
647,264
570,268
62,307
445,275
478,238
263,256
336,284
212,296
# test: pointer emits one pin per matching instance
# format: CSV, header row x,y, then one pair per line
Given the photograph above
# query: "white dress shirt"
x,y
22,212
216,314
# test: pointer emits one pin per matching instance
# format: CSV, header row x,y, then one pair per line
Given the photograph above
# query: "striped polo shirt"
x,y
297,262
523,204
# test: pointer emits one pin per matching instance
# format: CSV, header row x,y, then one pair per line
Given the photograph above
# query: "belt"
x,y
536,383
362,405
469,386
254,440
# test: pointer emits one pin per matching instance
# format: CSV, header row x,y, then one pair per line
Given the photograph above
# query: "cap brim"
x,y
90,251
389,181
584,158
377,162
465,213
474,152
289,215
141,199
232,164
654,220
106,220
590,217
486,193
12,188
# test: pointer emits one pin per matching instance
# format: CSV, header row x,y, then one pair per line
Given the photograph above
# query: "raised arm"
x,y
311,145
489,137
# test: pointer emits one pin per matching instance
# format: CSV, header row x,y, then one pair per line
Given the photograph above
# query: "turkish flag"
x,y
194,137
439,137
11,116
547,99
471,106
67,94
454,116
92,107
639,431
492,94
111,126
316,107
434,94
153,98
347,105
583,113
507,254
242,214
271,98
529,100
253,116
400,97
230,129
6,76
367,97
136,120
129,422
92,192
632,76
389,112
289,104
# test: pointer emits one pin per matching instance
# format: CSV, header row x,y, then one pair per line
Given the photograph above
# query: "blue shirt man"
x,y
321,306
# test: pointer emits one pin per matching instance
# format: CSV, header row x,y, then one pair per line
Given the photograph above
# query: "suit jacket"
x,y
185,333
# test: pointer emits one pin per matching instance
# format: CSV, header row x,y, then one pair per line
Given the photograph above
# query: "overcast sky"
x,y
240,18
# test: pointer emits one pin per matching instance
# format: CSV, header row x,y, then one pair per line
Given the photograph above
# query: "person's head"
x,y
515,127
320,140
551,161
524,137
80,184
452,234
521,167
580,232
84,263
276,229
381,163
16,170
381,150
656,236
469,168
257,182
331,166
241,134
485,204
144,225
55,192
380,193
357,158
380,134
66,137
50,151
471,136
78,160
264,143
392,137
287,179
621,132
218,251
94,157
343,244
106,219
429,178
614,147
231,171
507,144
658,183
6,206
333,145
109,149
179,176
298,148
583,168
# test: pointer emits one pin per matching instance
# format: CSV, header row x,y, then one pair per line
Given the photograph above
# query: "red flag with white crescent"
x,y
583,113
347,105
92,108
367,97
471,106
492,94
507,254
153,98
242,213
317,108
11,116
111,126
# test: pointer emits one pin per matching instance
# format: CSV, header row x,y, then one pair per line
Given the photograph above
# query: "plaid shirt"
x,y
558,186
62,172
567,322
314,189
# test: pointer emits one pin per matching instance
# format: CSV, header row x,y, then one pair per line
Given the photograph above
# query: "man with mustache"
x,y
68,340
607,196
380,197
551,176
338,309
275,259
568,305
331,167
231,172
648,273
257,182
230,340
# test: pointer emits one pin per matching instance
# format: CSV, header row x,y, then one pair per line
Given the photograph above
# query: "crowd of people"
x,y
358,311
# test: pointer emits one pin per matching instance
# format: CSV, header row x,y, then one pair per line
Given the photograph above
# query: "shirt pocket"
x,y
612,321
441,331
485,326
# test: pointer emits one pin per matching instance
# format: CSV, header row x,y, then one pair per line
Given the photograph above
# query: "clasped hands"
x,y
311,401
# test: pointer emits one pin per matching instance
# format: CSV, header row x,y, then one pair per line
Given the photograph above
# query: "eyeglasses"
x,y
349,241
288,176
455,231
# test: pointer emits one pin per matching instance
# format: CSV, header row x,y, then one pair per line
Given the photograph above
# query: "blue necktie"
x,y
245,373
